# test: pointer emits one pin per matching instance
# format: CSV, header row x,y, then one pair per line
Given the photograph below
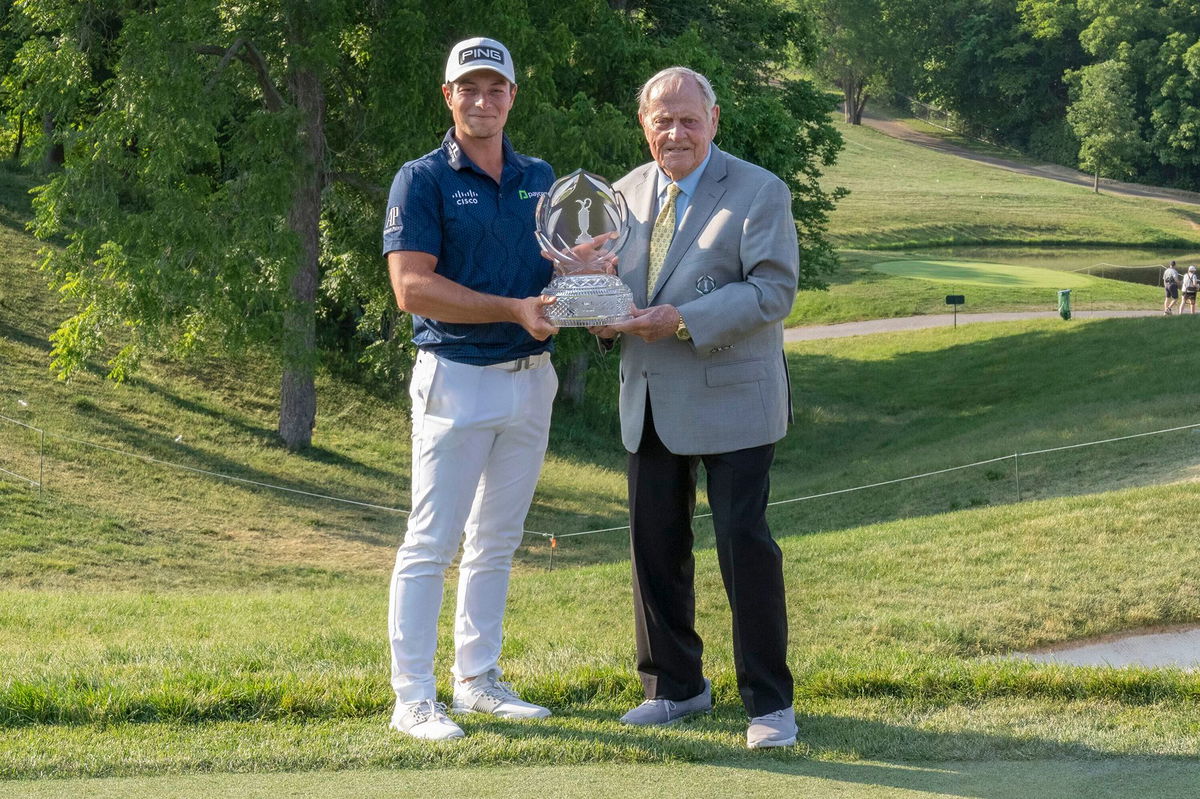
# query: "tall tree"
x,y
225,180
1102,116
1000,74
854,60
1160,44
193,196
867,44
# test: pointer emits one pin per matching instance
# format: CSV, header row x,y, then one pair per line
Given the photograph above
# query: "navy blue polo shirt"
x,y
482,236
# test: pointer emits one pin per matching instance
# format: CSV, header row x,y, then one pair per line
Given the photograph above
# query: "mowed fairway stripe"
x,y
981,273
760,776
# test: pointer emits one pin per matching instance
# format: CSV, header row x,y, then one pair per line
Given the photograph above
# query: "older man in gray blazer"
x,y
712,261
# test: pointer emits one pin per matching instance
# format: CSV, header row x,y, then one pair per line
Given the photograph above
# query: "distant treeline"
x,y
1112,86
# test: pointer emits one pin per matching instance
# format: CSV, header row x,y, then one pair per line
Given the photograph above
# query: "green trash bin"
x,y
1064,303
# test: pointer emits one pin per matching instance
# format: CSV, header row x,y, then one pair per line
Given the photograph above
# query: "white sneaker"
x,y
426,720
486,694
773,729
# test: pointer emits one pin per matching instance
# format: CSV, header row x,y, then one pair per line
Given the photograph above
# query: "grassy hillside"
x,y
908,202
869,410
893,627
157,620
862,289
906,197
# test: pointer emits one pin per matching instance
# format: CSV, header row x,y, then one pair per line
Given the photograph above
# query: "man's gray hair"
x,y
674,75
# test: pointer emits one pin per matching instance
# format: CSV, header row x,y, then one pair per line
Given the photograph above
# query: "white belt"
x,y
521,364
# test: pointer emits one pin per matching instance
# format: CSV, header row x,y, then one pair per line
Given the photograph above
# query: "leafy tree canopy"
x,y
226,162
1103,118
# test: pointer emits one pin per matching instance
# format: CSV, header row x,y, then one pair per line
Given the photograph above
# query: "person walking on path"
x,y
712,261
1191,283
1171,280
463,260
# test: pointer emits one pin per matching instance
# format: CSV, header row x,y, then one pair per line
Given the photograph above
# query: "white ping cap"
x,y
479,53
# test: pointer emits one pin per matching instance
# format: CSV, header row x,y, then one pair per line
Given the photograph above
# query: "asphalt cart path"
x,y
872,326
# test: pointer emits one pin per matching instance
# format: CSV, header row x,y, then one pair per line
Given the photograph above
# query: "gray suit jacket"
x,y
731,271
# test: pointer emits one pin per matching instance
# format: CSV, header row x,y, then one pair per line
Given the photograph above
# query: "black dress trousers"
x,y
662,500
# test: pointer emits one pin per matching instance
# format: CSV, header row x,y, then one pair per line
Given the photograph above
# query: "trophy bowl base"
x,y
588,300
591,321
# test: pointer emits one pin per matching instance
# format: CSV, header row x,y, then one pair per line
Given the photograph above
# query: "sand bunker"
x,y
1177,647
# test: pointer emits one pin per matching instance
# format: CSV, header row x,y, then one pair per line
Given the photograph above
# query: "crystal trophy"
x,y
581,222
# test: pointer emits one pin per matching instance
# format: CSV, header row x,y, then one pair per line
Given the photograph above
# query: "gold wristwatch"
x,y
681,332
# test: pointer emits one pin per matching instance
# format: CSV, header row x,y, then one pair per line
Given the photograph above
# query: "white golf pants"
x,y
478,439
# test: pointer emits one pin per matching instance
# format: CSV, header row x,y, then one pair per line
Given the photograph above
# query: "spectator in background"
x,y
1191,283
1171,281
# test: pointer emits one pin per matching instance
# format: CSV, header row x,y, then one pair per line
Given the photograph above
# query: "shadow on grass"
x,y
31,340
1096,777
859,421
961,763
309,494
1187,215
872,753
866,421
15,200
948,406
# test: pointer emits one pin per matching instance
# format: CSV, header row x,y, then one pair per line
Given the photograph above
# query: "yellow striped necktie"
x,y
660,238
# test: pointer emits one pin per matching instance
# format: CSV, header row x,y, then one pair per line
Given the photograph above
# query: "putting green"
x,y
980,273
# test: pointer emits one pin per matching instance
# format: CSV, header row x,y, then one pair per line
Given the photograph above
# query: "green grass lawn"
x,y
195,635
978,274
1020,779
873,285
146,643
906,197
909,203
895,632
763,777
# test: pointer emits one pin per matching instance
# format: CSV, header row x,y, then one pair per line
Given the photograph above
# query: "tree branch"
x,y
360,183
226,57
247,52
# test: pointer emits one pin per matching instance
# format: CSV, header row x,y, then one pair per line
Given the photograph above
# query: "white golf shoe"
x,y
426,720
486,694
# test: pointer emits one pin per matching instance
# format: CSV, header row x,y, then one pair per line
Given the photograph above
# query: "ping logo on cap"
x,y
480,54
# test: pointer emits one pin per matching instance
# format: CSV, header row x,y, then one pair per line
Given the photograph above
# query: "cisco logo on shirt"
x,y
468,197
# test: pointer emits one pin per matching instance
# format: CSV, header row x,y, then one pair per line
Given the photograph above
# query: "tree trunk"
x,y
854,100
55,155
574,382
1096,182
16,156
298,393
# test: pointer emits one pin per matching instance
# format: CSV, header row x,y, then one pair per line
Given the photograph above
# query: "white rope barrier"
x,y
18,421
1106,265
206,472
20,477
33,483
553,537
